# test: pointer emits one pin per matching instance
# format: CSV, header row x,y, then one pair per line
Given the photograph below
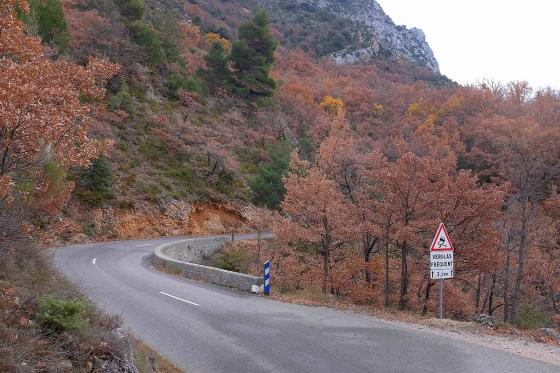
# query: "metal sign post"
x,y
441,298
441,261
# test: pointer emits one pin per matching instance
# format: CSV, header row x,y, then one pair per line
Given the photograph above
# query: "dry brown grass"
x,y
27,275
149,361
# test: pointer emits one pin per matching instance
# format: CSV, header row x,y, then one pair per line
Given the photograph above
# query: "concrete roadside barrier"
x,y
186,255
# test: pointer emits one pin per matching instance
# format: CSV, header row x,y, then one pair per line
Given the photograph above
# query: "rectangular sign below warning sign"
x,y
441,260
437,274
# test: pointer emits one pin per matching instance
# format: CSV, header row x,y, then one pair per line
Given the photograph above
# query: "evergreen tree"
x,y
97,183
131,9
267,187
51,25
144,34
251,56
217,73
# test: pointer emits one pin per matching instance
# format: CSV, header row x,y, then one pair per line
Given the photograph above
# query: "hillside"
x,y
125,119
346,31
194,124
176,142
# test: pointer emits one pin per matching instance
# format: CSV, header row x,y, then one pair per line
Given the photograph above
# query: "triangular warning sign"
x,y
441,240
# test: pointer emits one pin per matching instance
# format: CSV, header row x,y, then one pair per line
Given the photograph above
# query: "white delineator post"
x,y
441,261
267,277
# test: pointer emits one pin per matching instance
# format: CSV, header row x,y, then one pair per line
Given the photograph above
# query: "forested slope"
x,y
145,119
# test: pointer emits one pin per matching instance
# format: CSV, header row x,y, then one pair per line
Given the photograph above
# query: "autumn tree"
x,y
260,220
528,165
420,192
316,214
212,38
409,188
334,106
190,34
42,114
341,162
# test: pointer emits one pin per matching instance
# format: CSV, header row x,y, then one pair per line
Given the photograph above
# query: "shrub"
x,y
122,100
529,317
153,149
147,36
267,187
131,9
235,259
177,81
97,182
61,315
51,25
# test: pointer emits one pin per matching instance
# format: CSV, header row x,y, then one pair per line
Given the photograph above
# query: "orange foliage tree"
x,y
43,116
315,214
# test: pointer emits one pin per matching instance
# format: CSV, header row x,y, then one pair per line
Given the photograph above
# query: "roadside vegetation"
x,y
121,119
46,324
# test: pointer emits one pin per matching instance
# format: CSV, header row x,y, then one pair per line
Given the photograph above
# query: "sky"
x,y
503,40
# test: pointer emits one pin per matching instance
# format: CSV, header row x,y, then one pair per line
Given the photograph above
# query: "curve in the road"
x,y
206,328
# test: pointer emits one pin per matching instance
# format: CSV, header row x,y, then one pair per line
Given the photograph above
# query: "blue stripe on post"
x,y
267,277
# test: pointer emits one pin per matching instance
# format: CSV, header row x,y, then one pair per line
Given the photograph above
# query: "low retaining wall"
x,y
184,256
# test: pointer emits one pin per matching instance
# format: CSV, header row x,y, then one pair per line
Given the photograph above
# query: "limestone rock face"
x,y
365,32
398,41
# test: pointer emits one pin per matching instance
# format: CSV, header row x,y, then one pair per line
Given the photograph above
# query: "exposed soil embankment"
x,y
145,221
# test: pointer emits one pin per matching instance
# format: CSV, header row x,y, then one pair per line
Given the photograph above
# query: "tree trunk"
x,y
258,247
477,301
325,271
403,301
521,265
491,296
386,289
327,242
555,303
368,244
427,297
507,271
485,301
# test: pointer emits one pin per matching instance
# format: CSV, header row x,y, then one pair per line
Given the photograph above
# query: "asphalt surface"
x,y
206,328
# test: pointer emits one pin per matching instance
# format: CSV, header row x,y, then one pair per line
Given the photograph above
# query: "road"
x,y
206,328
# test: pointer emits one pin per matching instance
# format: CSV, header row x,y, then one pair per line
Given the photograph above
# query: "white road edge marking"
x,y
94,260
144,244
181,299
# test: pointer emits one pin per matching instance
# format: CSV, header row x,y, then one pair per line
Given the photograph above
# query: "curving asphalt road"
x,y
205,328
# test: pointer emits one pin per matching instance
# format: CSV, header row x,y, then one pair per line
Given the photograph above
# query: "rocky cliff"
x,y
349,31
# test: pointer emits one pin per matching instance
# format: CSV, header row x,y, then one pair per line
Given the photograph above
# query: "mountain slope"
x,y
347,31
357,31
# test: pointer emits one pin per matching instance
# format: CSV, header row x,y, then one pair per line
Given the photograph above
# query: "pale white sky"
x,y
501,39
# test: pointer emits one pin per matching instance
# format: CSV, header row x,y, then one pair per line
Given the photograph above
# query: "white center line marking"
x,y
145,244
94,260
182,300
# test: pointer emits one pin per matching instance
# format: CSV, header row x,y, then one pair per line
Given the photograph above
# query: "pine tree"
x,y
251,56
217,75
97,182
267,186
51,25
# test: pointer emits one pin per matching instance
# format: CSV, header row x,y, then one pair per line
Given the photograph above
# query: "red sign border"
x,y
433,248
